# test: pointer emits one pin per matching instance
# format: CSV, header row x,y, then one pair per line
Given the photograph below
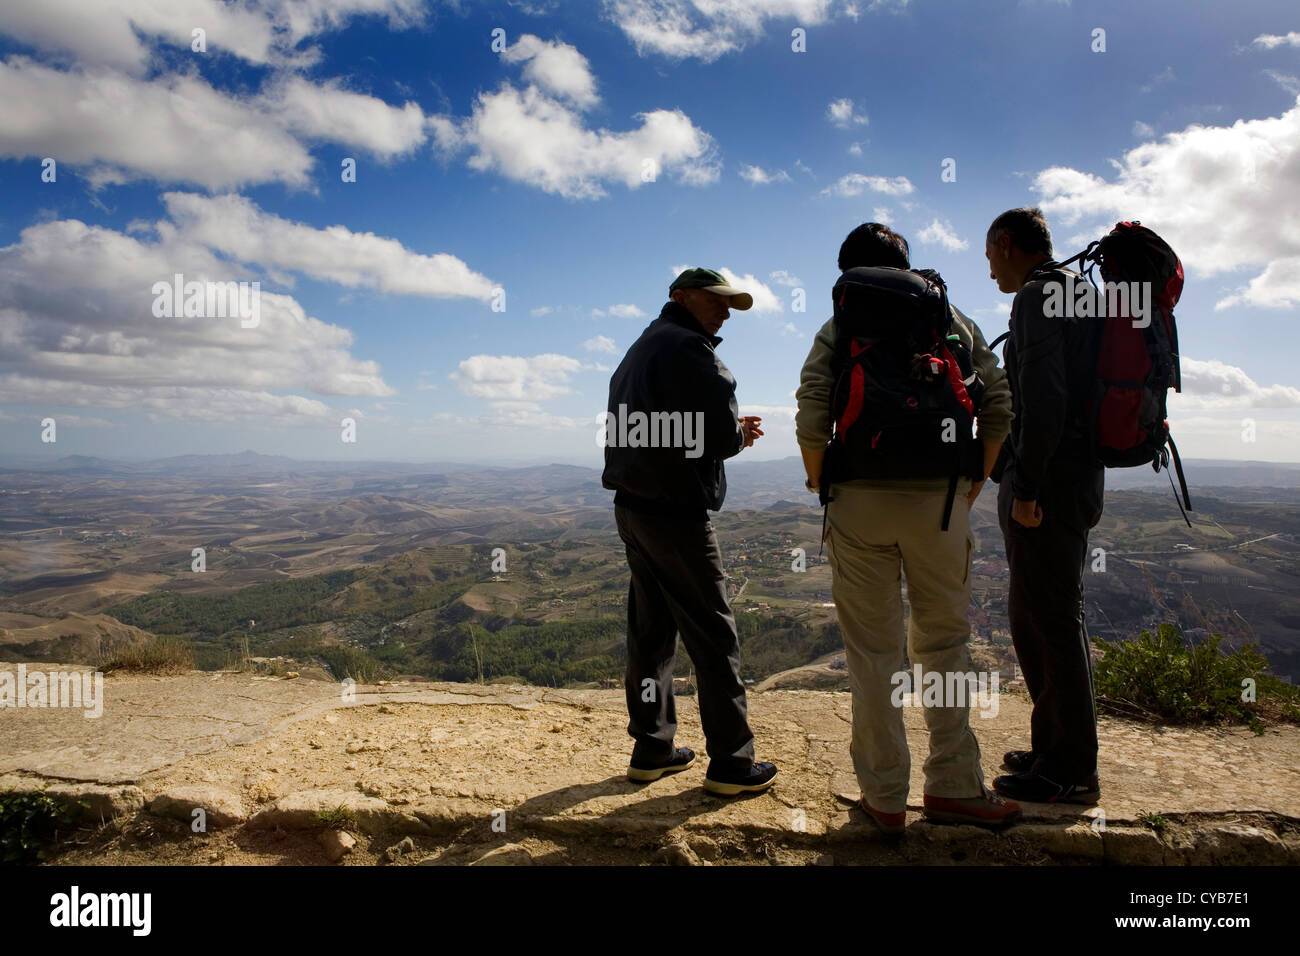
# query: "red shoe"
x,y
986,810
893,823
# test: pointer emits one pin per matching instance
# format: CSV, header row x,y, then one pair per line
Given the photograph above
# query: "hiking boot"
x,y
985,810
1088,791
643,771
1034,787
756,778
891,823
1018,761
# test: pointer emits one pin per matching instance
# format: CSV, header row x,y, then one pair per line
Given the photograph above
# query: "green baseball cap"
x,y
712,281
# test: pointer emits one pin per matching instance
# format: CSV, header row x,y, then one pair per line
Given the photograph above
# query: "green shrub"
x,y
1159,676
335,818
29,822
162,655
345,661
1156,821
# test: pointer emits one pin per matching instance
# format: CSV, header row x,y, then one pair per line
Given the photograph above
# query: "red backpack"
x,y
1137,356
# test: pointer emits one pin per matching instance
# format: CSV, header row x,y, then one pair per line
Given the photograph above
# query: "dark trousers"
x,y
1045,607
677,587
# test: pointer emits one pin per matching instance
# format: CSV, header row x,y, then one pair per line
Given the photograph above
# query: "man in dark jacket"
x,y
1050,491
671,422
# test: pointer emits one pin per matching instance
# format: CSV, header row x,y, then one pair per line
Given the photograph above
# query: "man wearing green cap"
x,y
671,422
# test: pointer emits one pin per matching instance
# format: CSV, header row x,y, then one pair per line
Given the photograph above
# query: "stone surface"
x,y
704,848
447,761
150,722
221,807
337,844
101,803
1132,847
677,854
312,809
1079,841
508,855
397,850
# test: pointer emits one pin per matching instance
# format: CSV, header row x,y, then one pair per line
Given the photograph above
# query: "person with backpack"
x,y
887,398
1050,495
671,421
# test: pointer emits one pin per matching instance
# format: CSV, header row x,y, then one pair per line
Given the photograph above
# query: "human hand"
x,y
749,424
975,489
1026,513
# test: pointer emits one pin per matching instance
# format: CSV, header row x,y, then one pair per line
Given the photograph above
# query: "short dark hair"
x,y
873,244
1027,228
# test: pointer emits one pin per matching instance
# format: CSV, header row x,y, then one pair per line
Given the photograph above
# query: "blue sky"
x,y
598,148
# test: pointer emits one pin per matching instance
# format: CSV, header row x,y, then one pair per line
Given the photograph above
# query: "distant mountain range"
x,y
747,479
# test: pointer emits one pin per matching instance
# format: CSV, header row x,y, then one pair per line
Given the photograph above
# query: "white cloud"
x,y
1002,309
1215,384
757,176
533,138
1277,287
854,184
117,33
941,233
64,420
556,68
625,310
1160,79
783,414
173,129
1269,41
516,378
530,418
78,329
600,343
1274,435
1143,130
542,8
705,29
781,277
1285,80
210,405
790,329
882,214
855,149
842,113
122,33
1245,178
237,227
329,112
179,129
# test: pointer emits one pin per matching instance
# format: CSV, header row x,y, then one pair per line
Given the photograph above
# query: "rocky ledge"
x,y
212,768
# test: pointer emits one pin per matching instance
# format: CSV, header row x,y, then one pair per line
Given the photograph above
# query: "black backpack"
x,y
906,390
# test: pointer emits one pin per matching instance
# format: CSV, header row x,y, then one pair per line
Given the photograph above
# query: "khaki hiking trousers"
x,y
875,539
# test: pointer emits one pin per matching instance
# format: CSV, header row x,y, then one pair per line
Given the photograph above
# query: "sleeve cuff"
x,y
1023,491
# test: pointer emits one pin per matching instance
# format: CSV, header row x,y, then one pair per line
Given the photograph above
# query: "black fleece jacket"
x,y
673,368
1051,364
